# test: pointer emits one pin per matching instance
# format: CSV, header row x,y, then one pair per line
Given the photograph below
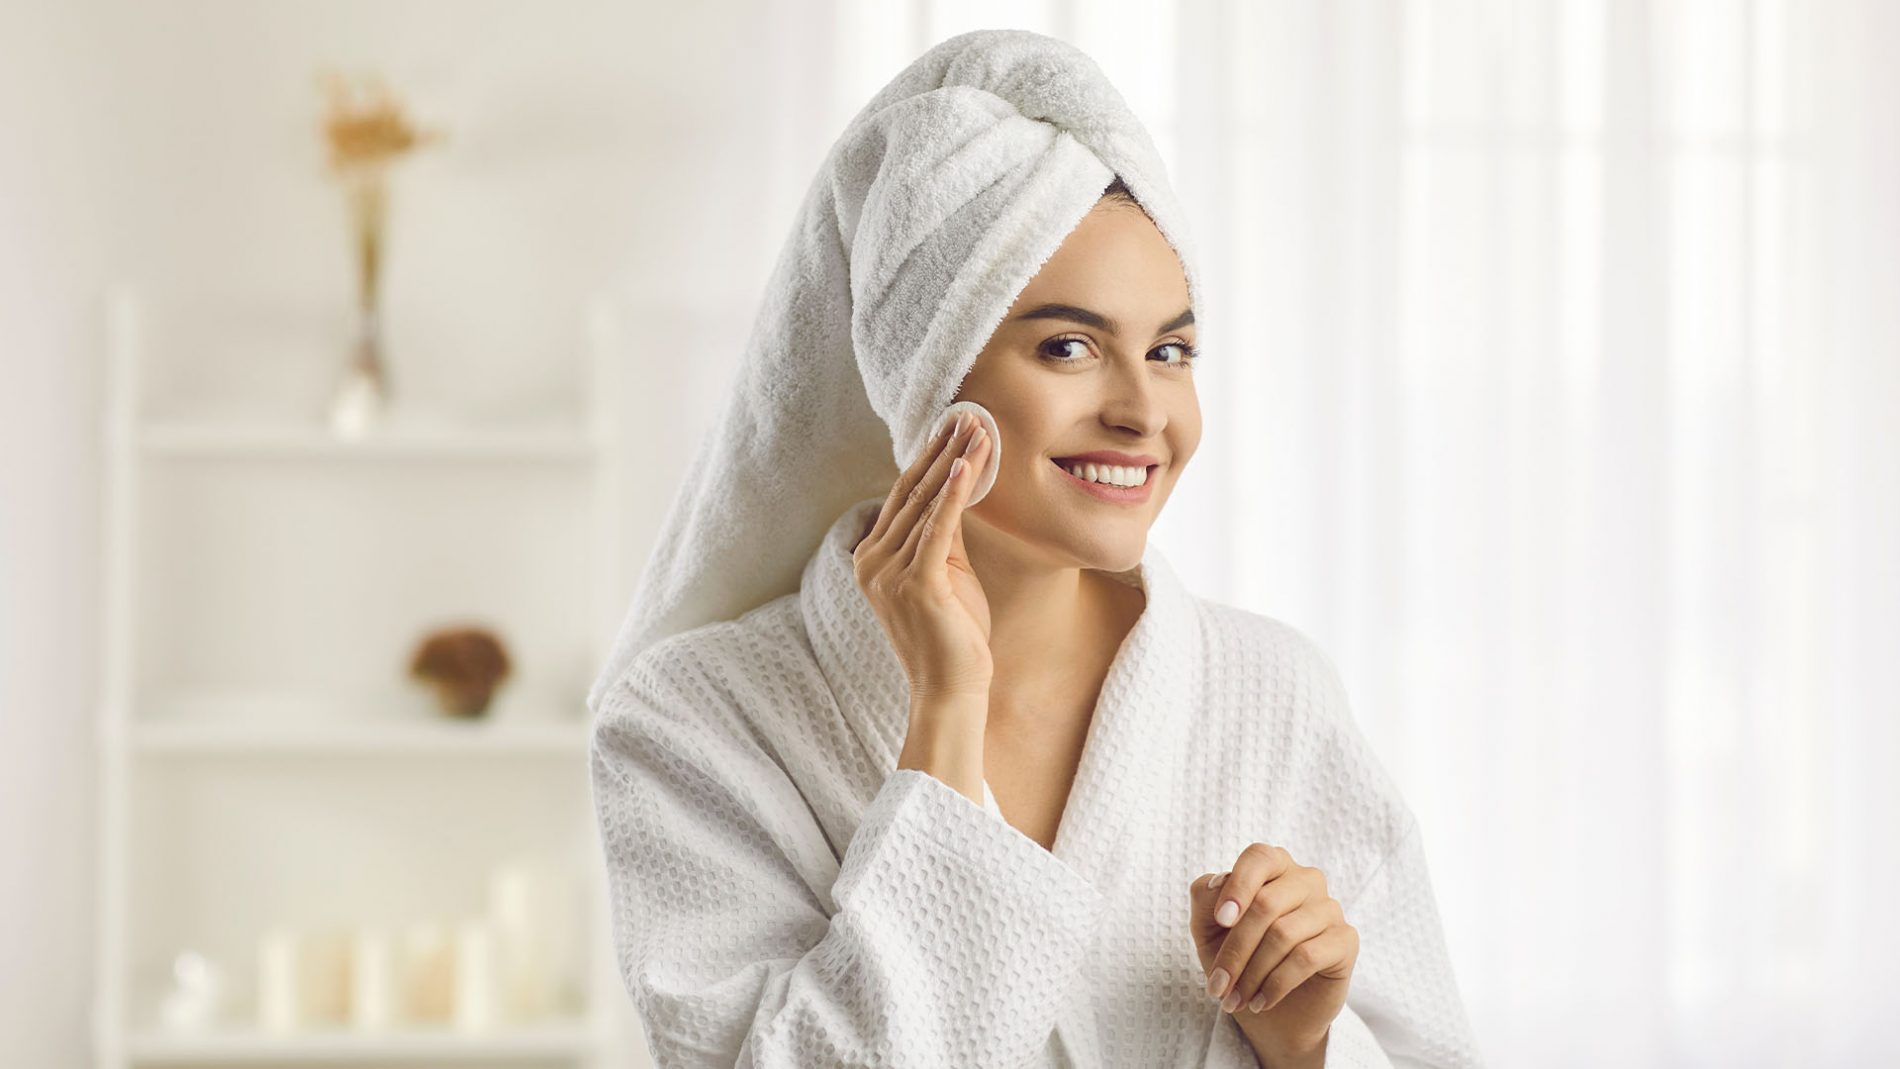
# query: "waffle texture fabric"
x,y
783,895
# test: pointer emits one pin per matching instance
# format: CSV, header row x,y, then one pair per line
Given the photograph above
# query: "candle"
x,y
373,983
476,981
279,991
532,908
427,973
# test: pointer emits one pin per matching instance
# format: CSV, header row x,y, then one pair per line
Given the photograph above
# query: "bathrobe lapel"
x,y
1140,721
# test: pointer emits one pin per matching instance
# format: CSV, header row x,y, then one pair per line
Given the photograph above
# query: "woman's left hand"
x,y
1276,946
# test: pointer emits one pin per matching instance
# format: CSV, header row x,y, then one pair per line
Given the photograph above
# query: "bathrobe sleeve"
x,y
1402,1009
942,936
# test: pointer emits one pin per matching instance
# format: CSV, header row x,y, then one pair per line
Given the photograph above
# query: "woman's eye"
x,y
1185,353
1053,348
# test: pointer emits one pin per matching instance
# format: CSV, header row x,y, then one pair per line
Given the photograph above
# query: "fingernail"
x,y
1217,983
1259,1002
963,421
1231,1002
1216,881
955,467
1228,913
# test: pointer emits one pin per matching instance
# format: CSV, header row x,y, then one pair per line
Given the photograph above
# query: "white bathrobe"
x,y
784,896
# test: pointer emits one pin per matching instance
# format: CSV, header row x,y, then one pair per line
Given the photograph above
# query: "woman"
x,y
885,776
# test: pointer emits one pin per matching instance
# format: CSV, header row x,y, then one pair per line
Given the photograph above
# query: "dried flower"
x,y
366,129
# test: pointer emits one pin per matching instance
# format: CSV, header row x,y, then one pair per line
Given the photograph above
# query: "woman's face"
x,y
1092,356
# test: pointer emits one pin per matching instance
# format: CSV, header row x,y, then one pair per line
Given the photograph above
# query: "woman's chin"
x,y
1084,541
1108,555
1120,563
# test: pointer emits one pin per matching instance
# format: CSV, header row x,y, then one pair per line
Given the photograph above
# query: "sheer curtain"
x,y
1552,385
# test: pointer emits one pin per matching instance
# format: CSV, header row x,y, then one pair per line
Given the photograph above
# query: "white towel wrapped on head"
x,y
942,199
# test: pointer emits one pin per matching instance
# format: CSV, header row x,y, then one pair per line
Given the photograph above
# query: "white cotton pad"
x,y
987,477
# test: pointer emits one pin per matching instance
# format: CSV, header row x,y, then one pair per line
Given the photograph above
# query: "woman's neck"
x,y
1054,630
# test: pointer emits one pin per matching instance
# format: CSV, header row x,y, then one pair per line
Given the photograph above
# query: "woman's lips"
x,y
1120,495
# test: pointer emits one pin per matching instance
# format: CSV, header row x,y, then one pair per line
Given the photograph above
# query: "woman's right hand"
x,y
913,569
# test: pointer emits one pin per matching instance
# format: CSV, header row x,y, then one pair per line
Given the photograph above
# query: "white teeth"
x,y
1113,475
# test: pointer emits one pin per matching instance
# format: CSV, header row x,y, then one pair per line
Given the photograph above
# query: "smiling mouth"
x,y
1069,469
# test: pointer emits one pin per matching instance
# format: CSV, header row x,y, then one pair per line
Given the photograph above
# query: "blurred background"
x,y
352,351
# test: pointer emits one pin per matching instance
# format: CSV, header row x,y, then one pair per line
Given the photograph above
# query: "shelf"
x,y
213,736
340,1044
264,442
261,576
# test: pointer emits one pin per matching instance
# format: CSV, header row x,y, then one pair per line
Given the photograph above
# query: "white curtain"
x,y
1553,385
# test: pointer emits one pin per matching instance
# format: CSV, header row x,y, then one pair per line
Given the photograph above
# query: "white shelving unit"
x,y
263,760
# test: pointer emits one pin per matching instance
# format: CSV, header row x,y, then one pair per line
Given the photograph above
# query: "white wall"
x,y
593,145
52,250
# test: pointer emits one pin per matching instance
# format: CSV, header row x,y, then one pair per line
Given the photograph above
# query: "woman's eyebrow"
x,y
1097,319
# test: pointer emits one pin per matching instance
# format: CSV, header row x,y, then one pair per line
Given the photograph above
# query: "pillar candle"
x,y
279,981
373,982
477,986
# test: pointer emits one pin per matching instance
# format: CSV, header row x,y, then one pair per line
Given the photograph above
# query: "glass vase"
x,y
361,401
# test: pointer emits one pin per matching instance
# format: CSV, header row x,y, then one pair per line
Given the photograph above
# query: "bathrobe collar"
x,y
1140,720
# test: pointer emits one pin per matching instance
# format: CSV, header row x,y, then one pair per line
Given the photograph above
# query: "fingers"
x,y
1282,895
929,542
906,482
912,493
1284,933
1257,864
1201,900
1330,953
